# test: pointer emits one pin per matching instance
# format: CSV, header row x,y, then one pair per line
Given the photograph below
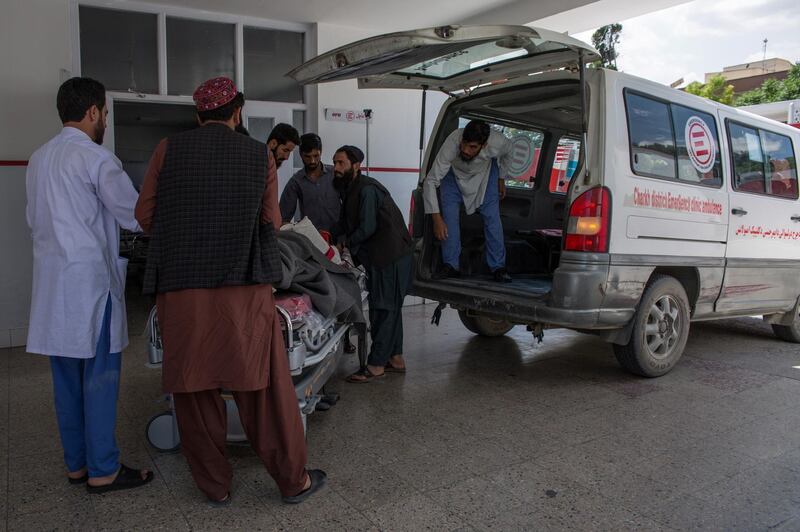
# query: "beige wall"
x,y
34,46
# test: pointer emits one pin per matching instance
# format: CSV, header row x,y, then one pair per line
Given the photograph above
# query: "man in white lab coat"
x,y
78,196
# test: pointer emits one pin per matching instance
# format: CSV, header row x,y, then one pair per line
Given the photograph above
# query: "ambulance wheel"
x,y
483,325
162,433
660,329
788,333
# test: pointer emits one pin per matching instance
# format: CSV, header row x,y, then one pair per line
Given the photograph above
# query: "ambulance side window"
x,y
781,164
651,137
763,162
704,164
748,159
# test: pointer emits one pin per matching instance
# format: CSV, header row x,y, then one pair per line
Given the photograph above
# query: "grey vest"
x,y
207,230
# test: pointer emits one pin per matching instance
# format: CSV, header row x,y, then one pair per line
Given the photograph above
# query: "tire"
x,y
162,433
483,325
660,329
788,333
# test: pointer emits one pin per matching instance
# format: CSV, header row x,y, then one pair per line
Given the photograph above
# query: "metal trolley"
x,y
314,346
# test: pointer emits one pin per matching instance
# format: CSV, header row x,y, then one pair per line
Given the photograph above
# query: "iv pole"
x,y
368,116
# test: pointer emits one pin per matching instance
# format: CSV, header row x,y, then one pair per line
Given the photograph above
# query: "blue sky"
x,y
691,39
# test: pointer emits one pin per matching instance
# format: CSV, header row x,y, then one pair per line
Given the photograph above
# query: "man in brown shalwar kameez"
x,y
210,203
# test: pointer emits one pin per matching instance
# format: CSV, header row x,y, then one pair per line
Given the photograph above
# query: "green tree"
x,y
716,89
774,90
605,40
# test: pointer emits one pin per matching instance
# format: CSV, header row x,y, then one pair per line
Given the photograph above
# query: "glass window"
x,y
197,51
120,49
781,165
527,147
700,162
748,159
564,164
455,60
268,56
650,128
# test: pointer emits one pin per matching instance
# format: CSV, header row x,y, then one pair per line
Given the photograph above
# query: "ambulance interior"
x,y
544,123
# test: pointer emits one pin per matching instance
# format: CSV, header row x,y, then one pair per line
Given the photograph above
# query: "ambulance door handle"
x,y
796,218
738,212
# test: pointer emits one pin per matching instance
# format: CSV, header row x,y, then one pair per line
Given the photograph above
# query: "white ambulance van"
x,y
632,208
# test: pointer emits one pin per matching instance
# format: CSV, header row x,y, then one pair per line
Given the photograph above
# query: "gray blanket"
x,y
333,289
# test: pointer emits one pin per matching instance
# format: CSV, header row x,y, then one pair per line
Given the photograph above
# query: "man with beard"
x,y
470,169
210,203
312,189
78,197
281,142
376,234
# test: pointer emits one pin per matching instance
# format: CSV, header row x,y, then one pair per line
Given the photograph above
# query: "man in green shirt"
x,y
376,234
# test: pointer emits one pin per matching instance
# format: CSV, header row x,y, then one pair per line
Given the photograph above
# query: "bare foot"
x,y
397,362
77,475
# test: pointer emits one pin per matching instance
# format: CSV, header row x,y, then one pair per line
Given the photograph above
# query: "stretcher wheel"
x,y
162,432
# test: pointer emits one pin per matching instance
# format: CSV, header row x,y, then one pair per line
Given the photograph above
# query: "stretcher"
x,y
314,346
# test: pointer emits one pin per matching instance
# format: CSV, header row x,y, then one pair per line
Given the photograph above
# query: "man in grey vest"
x,y
210,203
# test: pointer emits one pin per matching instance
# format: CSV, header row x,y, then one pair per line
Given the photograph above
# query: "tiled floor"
x,y
479,435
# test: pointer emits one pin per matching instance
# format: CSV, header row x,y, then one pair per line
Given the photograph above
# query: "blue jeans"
x,y
490,212
86,392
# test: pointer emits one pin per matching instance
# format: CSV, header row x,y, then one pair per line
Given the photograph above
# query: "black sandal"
x,y
127,478
364,375
79,480
389,368
318,479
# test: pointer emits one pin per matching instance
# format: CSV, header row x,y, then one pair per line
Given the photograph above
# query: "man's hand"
x,y
439,227
501,187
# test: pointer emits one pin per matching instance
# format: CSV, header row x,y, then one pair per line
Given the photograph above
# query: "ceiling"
x,y
384,15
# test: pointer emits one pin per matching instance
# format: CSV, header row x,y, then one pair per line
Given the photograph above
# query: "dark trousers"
x,y
271,421
386,329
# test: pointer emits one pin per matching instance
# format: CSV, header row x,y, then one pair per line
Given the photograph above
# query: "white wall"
x,y
34,46
17,260
394,129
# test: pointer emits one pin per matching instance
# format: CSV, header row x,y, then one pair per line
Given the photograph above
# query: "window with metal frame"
x,y
672,141
119,49
763,161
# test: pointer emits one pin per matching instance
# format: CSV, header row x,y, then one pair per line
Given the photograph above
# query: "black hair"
x,y
224,112
78,95
284,133
309,142
354,154
476,131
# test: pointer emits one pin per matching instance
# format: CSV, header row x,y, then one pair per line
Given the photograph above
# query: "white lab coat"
x,y
78,196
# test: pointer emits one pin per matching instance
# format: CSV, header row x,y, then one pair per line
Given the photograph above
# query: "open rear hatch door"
x,y
446,58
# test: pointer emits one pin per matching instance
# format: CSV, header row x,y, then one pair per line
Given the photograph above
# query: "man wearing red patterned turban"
x,y
210,203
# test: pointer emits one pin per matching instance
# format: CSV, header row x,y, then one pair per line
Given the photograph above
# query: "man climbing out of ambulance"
x,y
470,168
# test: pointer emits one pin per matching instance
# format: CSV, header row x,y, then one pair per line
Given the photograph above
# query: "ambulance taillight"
x,y
588,224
